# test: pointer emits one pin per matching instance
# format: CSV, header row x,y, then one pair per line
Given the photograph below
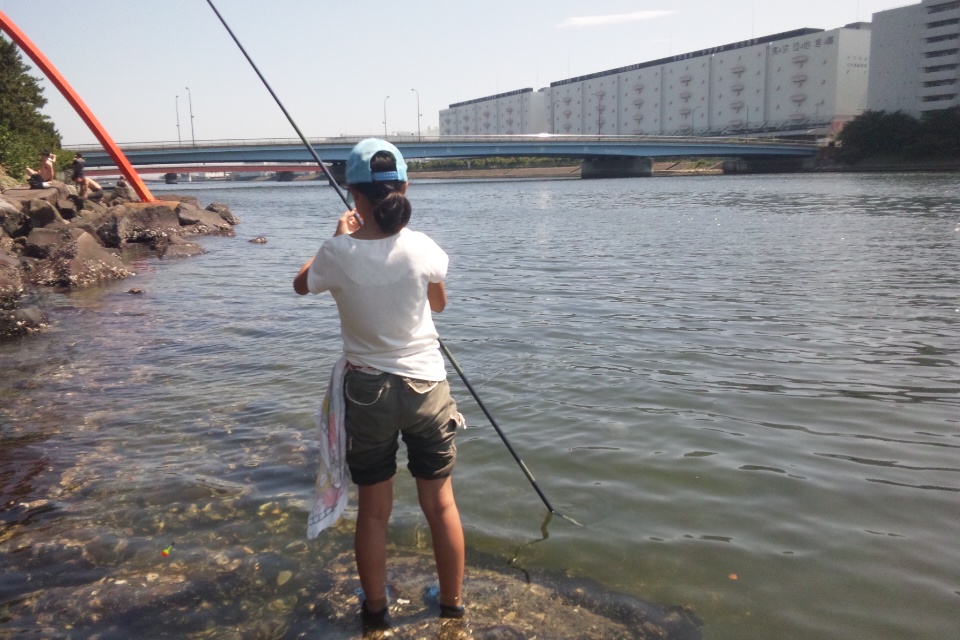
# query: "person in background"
x,y
76,176
44,174
386,279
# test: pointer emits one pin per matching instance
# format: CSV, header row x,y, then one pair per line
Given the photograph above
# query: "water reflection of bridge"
x,y
602,156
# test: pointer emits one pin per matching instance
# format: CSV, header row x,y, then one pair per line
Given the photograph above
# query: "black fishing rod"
x,y
443,347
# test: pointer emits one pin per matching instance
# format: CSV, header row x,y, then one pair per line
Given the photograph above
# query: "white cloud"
x,y
600,21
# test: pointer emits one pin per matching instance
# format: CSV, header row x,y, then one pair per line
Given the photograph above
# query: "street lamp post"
x,y
418,112
193,138
385,116
177,104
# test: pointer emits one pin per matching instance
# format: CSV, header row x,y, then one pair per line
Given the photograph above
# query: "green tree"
x,y
940,137
878,134
24,131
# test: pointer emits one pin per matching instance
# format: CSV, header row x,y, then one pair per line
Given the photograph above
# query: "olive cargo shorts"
x,y
379,406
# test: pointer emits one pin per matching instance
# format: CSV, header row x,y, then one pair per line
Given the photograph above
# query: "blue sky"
x,y
334,64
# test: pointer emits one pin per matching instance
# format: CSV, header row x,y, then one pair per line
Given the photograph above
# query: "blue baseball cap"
x,y
358,163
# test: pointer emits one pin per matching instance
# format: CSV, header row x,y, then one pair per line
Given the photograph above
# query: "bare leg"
x,y
440,508
370,542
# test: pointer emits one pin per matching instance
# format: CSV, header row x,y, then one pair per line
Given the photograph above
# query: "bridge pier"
x,y
170,178
285,176
767,165
616,167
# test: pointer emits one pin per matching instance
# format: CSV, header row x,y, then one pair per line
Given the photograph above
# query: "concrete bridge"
x,y
602,156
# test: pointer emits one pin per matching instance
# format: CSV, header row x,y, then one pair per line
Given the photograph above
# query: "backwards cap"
x,y
358,163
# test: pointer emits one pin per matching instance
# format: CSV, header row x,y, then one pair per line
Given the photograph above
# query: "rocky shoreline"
x,y
54,238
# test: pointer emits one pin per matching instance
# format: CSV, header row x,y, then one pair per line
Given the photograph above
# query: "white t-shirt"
x,y
381,291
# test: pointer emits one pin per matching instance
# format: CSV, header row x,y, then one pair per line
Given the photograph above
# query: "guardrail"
x,y
445,140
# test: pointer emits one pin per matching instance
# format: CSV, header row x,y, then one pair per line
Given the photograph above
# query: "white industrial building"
x,y
808,79
514,112
915,58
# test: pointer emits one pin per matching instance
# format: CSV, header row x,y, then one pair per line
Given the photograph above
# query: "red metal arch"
x,y
81,108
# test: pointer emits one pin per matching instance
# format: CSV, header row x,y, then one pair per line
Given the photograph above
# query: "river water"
x,y
746,388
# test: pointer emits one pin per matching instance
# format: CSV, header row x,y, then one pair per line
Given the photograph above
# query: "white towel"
x,y
330,490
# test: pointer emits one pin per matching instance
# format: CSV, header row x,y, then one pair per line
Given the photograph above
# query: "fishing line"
x,y
443,347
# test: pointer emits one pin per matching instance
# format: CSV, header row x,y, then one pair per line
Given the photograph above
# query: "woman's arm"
x,y
300,282
437,296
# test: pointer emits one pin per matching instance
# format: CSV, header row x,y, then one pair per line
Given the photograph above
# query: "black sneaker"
x,y
374,620
456,613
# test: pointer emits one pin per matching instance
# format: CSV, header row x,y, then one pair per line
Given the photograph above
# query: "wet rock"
x,y
224,212
196,220
76,260
259,240
173,247
147,223
21,322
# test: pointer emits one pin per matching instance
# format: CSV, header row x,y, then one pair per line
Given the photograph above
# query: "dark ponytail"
x,y
391,209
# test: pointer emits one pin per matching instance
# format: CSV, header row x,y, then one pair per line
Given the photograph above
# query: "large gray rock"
x,y
14,222
42,243
8,206
18,322
78,261
11,281
176,247
197,221
140,224
224,212
41,213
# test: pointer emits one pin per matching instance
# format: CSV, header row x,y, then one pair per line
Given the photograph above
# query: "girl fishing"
x,y
386,279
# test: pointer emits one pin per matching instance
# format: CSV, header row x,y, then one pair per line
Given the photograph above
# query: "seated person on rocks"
x,y
41,178
89,188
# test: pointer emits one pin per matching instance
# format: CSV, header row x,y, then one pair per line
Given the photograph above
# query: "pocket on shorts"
x,y
420,387
364,389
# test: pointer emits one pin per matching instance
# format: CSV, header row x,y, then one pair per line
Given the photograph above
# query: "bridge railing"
x,y
442,140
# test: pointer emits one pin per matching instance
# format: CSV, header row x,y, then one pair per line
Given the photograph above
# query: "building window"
x,y
941,54
943,23
947,6
940,67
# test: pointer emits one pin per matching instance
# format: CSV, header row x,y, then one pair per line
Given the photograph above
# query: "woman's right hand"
x,y
349,222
